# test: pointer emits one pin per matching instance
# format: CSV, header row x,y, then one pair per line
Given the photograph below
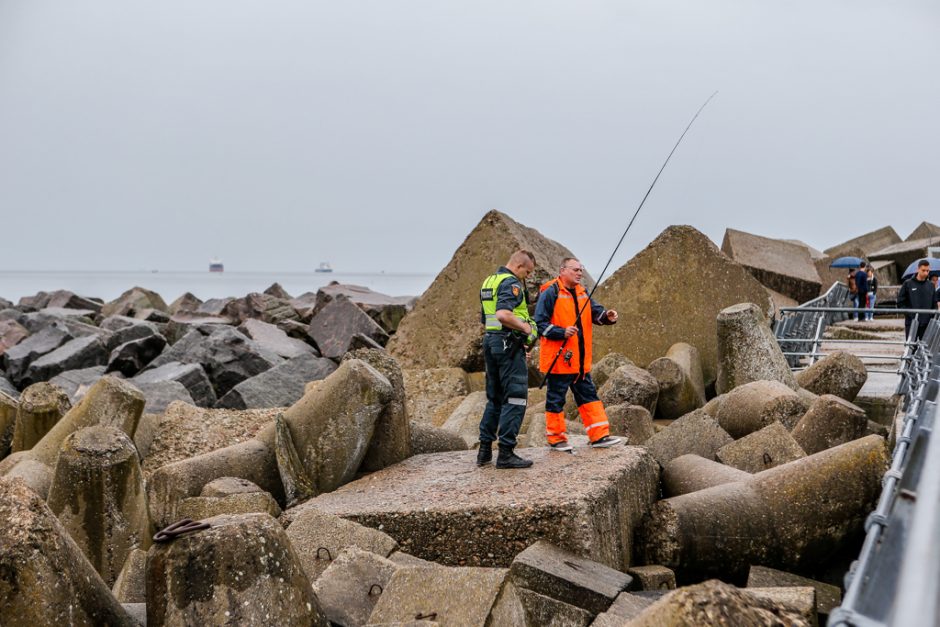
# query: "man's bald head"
x,y
521,263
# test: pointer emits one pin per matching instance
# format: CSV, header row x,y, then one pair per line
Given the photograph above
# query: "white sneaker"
x,y
606,441
564,447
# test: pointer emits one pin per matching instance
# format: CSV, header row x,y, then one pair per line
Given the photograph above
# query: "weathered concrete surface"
x,y
8,408
41,406
320,537
98,494
241,571
840,373
800,598
753,406
716,603
566,577
652,320
924,229
782,266
771,446
792,516
624,609
131,584
603,368
391,438
428,389
681,386
827,595
200,507
631,385
829,422
747,349
470,597
427,439
652,577
465,419
695,433
868,243
691,473
347,591
631,421
45,578
544,610
443,508
443,329
904,254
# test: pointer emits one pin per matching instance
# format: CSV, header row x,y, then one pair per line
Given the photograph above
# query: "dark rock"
x,y
152,315
47,580
33,303
192,376
359,340
280,386
260,307
8,388
82,352
566,577
305,305
69,300
132,301
160,394
214,306
182,323
215,576
277,291
188,302
297,330
228,357
131,357
332,327
123,329
387,311
11,334
76,382
18,358
272,338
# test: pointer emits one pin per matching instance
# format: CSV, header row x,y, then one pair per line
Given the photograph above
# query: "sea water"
x,y
109,285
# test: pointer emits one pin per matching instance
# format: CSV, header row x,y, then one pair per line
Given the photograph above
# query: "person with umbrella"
x,y
918,292
861,290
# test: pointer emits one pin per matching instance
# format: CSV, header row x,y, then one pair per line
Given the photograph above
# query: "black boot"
x,y
508,459
485,453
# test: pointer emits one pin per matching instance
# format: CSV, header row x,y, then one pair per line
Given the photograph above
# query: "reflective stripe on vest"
x,y
489,294
564,316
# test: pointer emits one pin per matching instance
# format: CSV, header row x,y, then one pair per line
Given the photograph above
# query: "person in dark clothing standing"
x,y
861,286
918,293
510,331
872,293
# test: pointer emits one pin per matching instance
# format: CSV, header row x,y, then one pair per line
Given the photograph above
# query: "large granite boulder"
x,y
134,300
46,579
11,334
783,267
272,338
65,299
192,376
443,508
387,311
334,326
443,329
18,358
180,324
653,318
186,302
82,352
76,382
262,307
280,386
867,243
747,349
228,357
130,357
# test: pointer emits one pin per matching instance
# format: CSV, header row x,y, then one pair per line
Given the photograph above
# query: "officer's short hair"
x,y
521,256
923,262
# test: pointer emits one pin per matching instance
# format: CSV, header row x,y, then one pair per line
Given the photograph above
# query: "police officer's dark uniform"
x,y
507,378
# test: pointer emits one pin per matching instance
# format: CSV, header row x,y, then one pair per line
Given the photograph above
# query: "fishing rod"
x,y
617,247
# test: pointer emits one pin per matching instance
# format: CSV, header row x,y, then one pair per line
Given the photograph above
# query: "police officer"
x,y
565,321
510,332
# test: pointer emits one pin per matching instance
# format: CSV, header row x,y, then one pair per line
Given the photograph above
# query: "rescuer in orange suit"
x,y
561,328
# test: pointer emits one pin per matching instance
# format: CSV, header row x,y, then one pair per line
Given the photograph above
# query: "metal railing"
x,y
896,579
800,327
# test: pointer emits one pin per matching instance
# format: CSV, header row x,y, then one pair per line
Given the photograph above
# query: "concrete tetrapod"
x,y
41,406
98,494
44,576
747,349
829,421
839,373
792,516
691,473
753,406
681,386
241,571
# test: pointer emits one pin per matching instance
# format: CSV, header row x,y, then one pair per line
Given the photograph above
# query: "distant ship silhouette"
x,y
215,265
324,267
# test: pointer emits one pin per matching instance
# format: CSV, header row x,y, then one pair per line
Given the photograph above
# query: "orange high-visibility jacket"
x,y
564,314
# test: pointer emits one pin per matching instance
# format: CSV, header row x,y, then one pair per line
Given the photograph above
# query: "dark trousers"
x,y
921,328
507,387
558,385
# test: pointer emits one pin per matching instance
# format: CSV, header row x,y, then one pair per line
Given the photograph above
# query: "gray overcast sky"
x,y
376,134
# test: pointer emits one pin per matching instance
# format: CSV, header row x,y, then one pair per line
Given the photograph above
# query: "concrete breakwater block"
x,y
830,421
791,516
45,578
771,446
241,571
443,508
41,406
681,385
747,349
840,373
691,473
753,406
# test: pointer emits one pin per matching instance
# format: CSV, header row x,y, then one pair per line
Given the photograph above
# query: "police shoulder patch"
x,y
515,290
